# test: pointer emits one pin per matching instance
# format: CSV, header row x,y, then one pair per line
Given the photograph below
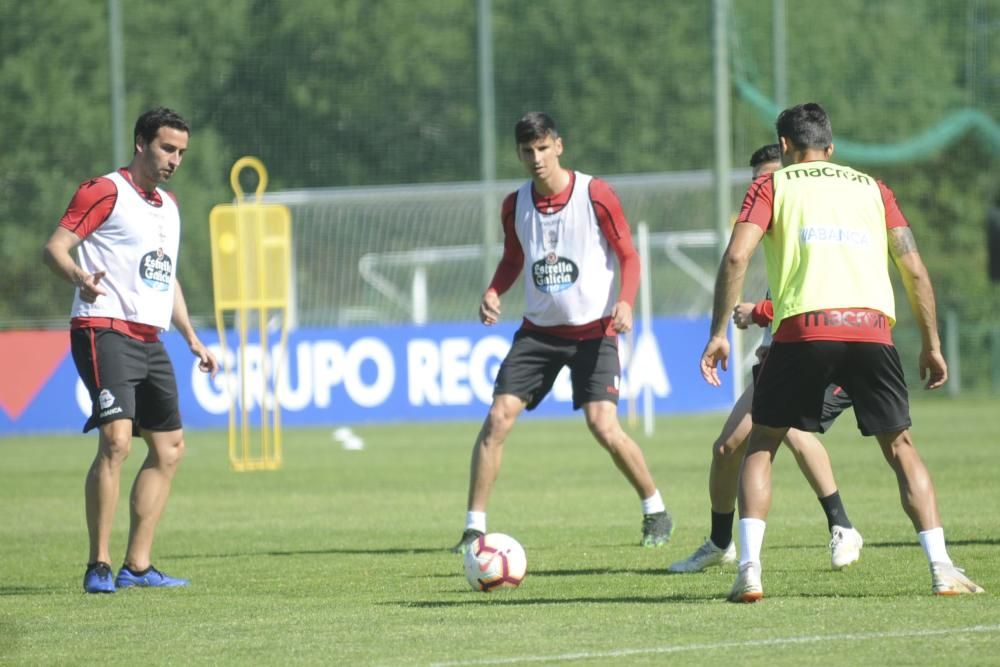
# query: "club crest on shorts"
x,y
554,273
106,399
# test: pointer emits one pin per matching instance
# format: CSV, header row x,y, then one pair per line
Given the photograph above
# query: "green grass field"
x,y
340,557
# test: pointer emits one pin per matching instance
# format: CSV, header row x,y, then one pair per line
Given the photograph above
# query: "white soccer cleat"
x,y
704,557
951,580
845,547
747,586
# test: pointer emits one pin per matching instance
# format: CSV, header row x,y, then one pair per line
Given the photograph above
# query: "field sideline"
x,y
340,557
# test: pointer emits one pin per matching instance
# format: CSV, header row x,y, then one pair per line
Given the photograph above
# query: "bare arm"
x,y
181,320
728,284
57,256
920,293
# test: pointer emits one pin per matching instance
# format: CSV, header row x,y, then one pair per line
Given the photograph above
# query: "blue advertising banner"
x,y
357,376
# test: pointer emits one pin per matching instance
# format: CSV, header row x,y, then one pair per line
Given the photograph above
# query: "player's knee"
x,y
115,444
173,453
605,429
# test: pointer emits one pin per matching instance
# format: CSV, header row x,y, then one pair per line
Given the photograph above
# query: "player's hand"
x,y
743,314
761,353
716,352
207,363
89,289
621,317
933,368
489,308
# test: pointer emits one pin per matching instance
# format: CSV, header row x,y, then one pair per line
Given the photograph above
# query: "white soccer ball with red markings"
x,y
495,561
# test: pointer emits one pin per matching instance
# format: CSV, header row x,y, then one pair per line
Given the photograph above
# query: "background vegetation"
x,y
360,92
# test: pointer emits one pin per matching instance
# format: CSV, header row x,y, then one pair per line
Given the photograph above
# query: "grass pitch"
x,y
341,557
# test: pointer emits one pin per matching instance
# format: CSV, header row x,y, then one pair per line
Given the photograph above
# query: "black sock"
x,y
836,515
722,528
134,571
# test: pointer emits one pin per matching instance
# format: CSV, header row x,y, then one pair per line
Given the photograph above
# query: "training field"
x,y
340,557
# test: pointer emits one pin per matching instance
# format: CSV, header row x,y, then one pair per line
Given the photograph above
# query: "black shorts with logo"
x,y
127,379
835,401
793,383
535,359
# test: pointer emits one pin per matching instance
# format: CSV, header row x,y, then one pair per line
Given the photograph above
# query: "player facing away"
x,y
820,220
126,233
564,230
810,455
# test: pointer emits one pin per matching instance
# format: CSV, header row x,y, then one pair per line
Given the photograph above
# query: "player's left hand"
x,y
207,363
716,352
933,368
621,317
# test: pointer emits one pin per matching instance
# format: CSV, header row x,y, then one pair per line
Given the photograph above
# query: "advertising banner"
x,y
352,376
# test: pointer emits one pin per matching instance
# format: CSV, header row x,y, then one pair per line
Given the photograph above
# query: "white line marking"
x,y
750,643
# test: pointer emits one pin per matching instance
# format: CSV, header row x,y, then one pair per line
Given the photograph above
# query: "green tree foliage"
x,y
361,92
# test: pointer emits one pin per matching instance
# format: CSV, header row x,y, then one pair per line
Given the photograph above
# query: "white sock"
x,y
751,540
933,543
475,521
653,504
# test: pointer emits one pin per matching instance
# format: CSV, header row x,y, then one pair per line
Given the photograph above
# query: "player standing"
x,y
126,232
818,219
729,448
564,230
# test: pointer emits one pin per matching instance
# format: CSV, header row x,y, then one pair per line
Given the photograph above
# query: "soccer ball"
x,y
495,561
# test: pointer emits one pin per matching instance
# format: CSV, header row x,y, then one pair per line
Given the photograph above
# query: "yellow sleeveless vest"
x,y
827,246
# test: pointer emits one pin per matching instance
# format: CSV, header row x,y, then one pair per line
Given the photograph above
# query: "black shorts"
x,y
835,401
535,359
793,383
127,379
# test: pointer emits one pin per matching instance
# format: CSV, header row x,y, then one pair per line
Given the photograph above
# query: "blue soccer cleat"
x,y
97,578
151,578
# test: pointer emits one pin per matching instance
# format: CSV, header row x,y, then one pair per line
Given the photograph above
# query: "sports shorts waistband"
x,y
144,332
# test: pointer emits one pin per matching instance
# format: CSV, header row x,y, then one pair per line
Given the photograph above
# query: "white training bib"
x,y
568,265
137,248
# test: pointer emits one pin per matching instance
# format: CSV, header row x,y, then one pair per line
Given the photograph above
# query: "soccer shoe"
x,y
845,547
151,578
747,586
98,579
706,556
656,529
468,537
951,580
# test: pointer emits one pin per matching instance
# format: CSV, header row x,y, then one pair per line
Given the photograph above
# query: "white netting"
x,y
415,253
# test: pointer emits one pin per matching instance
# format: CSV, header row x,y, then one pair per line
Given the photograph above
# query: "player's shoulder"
x,y
94,190
98,185
600,189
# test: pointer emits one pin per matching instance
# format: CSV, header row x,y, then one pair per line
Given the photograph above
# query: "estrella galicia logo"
x,y
554,274
156,270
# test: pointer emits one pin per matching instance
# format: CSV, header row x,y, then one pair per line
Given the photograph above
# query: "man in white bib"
x,y
563,230
126,233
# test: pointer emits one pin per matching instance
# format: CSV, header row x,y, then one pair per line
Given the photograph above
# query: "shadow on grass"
x,y
27,590
596,571
511,599
388,551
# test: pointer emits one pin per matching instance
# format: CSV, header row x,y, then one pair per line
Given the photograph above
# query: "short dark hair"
x,y
535,125
805,126
150,122
768,153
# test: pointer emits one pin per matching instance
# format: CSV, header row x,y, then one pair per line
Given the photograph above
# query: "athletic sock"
x,y
475,521
751,540
653,504
934,547
836,515
722,528
136,572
